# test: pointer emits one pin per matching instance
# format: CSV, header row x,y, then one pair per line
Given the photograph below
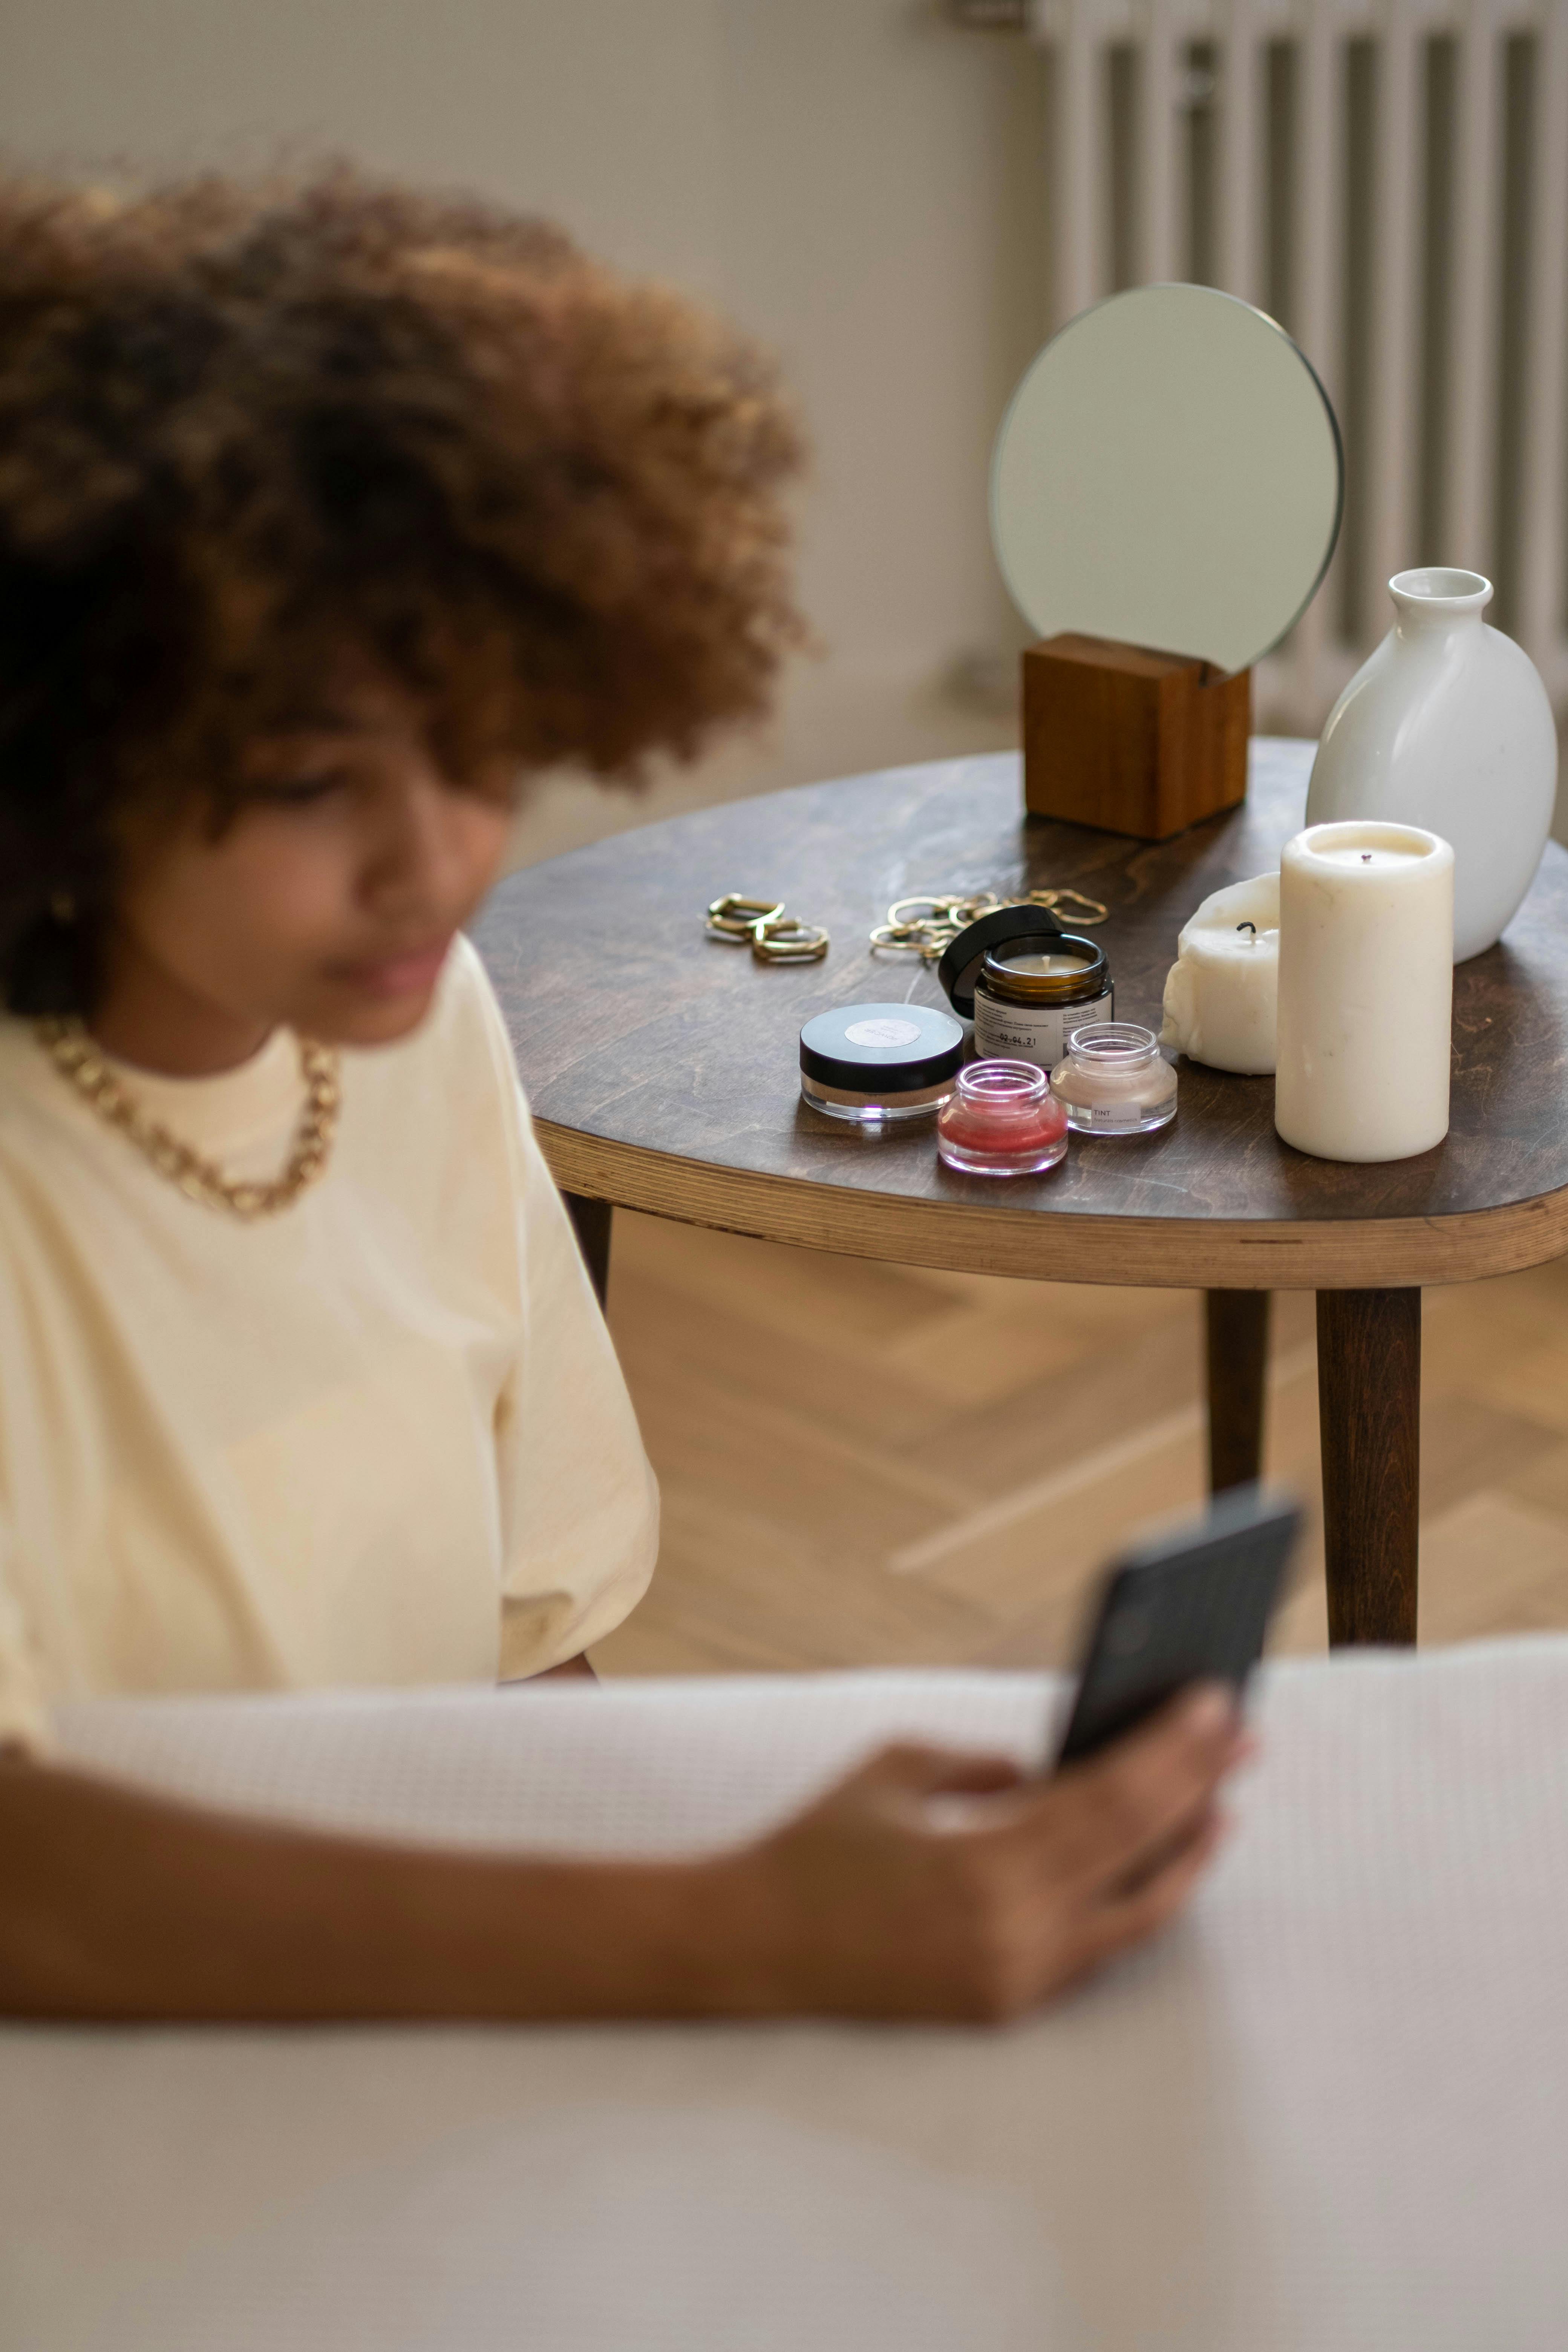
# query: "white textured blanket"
x,y
1328,2112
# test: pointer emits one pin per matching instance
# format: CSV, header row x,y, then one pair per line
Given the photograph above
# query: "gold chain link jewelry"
x,y
76,1057
927,922
784,938
734,917
773,935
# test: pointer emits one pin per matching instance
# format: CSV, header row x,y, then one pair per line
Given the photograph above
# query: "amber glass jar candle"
x,y
1114,1080
1002,1120
1030,995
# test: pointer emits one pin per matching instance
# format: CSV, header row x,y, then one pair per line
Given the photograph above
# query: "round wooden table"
x,y
662,1067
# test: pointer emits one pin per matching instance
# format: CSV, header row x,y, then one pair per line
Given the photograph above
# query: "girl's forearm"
x,y
117,1904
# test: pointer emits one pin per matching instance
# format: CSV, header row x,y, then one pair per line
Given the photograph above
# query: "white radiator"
x,y
1390,178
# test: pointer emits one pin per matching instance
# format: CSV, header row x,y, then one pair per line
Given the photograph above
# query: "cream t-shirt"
x,y
381,1437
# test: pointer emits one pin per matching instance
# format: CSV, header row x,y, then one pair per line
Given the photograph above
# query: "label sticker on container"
x,y
883,1033
1038,1034
1121,1114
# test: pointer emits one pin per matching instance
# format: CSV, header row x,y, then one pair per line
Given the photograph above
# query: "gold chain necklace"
x,y
76,1057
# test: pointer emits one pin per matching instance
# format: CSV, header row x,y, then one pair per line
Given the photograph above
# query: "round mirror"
x,y
1169,474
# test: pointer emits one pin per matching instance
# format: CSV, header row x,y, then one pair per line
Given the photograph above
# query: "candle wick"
x,y
1366,857
1248,926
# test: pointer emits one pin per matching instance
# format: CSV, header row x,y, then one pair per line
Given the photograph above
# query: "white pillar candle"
x,y
1366,985
1220,991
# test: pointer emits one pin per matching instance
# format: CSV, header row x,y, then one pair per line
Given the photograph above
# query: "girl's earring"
x,y
62,907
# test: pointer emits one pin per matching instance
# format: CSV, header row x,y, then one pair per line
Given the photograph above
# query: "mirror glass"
x,y
1169,473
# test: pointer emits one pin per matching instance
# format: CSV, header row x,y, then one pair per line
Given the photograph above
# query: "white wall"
x,y
856,180
605,111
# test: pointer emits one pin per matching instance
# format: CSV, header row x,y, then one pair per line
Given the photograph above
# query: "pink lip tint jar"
x,y
1002,1120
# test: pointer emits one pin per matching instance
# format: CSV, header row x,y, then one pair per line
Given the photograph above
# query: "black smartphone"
x,y
1190,1606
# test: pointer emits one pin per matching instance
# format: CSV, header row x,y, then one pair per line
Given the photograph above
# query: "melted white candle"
x,y
1220,991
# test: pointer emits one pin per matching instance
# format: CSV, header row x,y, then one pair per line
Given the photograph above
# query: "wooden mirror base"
x,y
1131,741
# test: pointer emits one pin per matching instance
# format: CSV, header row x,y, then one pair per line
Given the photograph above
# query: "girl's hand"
x,y
940,1885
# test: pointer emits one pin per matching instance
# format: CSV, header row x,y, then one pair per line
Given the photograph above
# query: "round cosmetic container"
x,y
1030,995
1114,1080
877,1063
1002,1120
1002,928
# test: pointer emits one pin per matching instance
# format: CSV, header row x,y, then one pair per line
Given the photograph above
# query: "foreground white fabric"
x,y
1330,2112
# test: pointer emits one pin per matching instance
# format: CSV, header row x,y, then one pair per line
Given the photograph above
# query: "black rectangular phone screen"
x,y
1193,1607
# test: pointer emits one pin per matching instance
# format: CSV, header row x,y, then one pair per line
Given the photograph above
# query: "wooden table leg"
x,y
592,1220
1368,1414
1236,1348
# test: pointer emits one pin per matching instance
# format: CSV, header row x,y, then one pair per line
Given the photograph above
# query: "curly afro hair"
x,y
244,427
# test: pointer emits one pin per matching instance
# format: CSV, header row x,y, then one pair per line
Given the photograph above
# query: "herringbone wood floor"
x,y
872,1464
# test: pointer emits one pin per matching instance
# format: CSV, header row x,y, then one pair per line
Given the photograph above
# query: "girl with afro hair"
x,y
330,513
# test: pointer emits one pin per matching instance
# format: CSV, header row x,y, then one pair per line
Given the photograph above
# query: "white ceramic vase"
x,y
1448,726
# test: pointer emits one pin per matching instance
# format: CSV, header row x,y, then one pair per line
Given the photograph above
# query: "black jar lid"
x,y
881,1048
1003,928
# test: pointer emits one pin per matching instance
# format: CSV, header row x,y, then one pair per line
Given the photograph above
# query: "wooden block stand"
x,y
1133,741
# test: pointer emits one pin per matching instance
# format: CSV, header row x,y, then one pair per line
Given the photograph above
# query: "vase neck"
x,y
1434,603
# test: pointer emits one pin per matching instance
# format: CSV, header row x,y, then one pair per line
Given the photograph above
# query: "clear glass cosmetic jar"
x,y
877,1063
1002,1120
1115,1081
1030,995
